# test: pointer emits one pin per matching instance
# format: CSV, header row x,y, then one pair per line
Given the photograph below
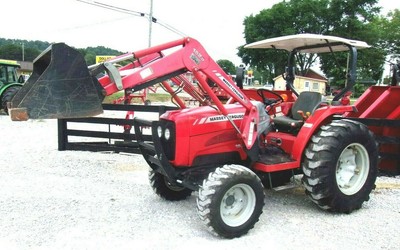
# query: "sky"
x,y
216,24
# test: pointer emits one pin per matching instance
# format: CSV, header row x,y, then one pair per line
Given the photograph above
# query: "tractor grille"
x,y
168,142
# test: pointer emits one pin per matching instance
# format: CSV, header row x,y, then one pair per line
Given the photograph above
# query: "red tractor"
x,y
228,151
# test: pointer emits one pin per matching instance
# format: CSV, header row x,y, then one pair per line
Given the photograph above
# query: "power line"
x,y
114,8
135,13
90,24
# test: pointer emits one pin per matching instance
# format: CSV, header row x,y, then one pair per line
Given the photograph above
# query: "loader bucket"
x,y
60,86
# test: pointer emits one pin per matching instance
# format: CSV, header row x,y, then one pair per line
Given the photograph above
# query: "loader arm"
x,y
188,56
64,87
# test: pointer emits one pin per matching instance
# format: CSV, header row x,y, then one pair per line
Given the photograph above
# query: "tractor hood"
x,y
205,119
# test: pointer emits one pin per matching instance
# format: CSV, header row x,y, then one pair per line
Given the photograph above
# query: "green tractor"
x,y
9,82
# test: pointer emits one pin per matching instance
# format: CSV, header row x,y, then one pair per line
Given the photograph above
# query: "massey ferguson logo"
x,y
229,85
218,118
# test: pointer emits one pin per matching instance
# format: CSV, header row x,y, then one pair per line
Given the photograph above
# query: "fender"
x,y
321,116
3,88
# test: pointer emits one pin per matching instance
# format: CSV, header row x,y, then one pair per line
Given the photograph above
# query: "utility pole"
x,y
150,29
150,21
23,52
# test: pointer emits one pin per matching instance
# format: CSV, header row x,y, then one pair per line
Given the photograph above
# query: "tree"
x,y
390,32
357,21
227,66
353,19
11,51
282,19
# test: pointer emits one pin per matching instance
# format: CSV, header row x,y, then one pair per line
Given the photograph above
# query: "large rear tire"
x,y
8,96
340,166
167,190
230,201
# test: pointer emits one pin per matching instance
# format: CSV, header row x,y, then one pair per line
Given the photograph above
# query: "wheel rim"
x,y
172,186
238,205
352,169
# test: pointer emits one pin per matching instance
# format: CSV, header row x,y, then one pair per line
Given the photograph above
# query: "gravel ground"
x,y
82,200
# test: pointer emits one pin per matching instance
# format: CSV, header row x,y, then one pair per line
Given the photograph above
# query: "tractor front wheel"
x,y
340,166
8,96
230,201
166,189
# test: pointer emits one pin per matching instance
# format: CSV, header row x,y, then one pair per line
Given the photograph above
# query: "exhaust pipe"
x,y
60,86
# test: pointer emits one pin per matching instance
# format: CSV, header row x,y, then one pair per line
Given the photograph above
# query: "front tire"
x,y
167,190
8,96
340,166
230,201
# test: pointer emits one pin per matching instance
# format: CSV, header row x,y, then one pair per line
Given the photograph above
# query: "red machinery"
x,y
223,151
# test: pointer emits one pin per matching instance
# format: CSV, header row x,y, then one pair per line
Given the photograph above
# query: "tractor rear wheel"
x,y
230,201
166,189
340,166
8,96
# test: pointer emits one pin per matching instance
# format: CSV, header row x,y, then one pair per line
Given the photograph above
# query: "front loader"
x,y
228,152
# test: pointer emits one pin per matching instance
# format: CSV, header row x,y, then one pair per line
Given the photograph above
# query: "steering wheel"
x,y
269,101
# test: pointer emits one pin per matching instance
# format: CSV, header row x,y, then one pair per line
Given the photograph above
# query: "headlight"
x,y
159,131
167,134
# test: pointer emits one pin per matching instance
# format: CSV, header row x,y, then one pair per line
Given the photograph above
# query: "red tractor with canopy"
x,y
228,152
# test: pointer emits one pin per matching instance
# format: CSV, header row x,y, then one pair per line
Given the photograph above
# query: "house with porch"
x,y
311,81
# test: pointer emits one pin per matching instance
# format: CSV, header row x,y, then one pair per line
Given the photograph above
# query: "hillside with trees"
x,y
24,50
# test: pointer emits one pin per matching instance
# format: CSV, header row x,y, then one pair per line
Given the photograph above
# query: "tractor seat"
x,y
306,103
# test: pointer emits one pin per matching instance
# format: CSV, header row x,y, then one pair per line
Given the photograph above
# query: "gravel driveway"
x,y
82,200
